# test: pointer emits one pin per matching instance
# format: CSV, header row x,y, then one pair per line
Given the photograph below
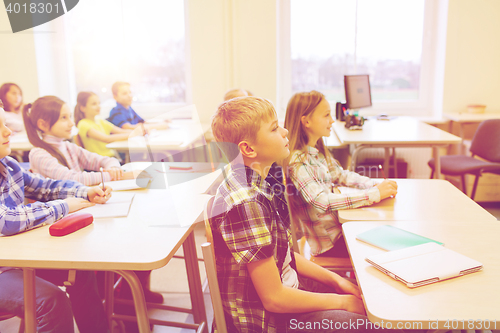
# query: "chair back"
x,y
486,140
209,259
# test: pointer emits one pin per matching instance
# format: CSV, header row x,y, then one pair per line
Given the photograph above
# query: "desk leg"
x,y
437,162
109,299
29,300
193,274
139,300
387,159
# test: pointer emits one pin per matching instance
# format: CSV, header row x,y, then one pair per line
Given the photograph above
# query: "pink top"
x,y
79,159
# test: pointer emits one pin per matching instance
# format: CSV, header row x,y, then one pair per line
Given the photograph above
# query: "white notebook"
x,y
424,264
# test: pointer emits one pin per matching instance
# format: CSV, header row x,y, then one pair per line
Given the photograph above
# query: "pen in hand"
x,y
103,187
382,169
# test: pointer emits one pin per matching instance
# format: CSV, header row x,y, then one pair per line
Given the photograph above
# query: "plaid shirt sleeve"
x,y
306,179
246,233
16,217
350,178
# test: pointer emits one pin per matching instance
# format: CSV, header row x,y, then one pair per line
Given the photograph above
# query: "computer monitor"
x,y
357,91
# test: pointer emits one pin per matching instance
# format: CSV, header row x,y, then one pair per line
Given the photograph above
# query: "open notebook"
x,y
117,206
424,264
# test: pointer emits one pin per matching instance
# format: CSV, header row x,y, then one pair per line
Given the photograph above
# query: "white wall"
x,y
472,68
17,58
233,43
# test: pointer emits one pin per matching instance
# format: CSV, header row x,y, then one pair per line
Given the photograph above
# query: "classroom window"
x,y
141,42
382,38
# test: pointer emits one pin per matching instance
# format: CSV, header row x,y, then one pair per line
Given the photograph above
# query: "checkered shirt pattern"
x,y
16,183
314,202
250,223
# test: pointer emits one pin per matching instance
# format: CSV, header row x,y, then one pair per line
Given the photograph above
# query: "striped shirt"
x,y
79,159
16,183
314,202
250,223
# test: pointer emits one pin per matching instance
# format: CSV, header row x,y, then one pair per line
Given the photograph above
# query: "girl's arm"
x,y
44,163
281,299
92,161
118,130
305,180
350,178
108,138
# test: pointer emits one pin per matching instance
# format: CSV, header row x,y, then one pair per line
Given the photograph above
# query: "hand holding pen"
x,y
388,188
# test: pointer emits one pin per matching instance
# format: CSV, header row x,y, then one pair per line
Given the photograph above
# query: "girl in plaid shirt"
x,y
314,173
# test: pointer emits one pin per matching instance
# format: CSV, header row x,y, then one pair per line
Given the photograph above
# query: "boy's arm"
x,y
45,189
313,193
280,299
25,217
128,126
311,270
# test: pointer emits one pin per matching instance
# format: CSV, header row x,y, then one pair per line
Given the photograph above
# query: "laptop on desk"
x,y
424,264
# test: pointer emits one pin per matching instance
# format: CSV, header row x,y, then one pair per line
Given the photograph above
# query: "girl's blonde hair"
x,y
81,100
47,108
300,105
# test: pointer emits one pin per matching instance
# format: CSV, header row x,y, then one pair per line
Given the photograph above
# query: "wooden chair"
x,y
486,145
6,316
337,265
213,283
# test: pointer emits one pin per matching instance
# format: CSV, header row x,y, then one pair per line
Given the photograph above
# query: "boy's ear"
x,y
247,150
43,125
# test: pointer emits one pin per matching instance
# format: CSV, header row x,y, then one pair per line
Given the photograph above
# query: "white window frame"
x,y
429,104
56,74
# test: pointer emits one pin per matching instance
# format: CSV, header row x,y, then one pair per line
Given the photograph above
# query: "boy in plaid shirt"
x,y
265,286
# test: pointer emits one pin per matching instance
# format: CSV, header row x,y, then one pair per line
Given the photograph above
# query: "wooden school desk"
x,y
181,135
450,302
420,199
402,132
145,240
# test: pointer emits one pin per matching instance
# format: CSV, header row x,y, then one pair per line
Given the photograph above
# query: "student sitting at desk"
x,y
265,286
54,311
48,124
122,115
12,97
95,132
314,172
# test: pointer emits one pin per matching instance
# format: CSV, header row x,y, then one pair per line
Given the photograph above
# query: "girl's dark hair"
x,y
81,100
47,108
4,89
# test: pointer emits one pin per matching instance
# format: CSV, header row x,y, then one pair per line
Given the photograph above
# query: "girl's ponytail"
x,y
47,108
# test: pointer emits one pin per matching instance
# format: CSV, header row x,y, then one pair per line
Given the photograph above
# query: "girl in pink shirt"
x,y
48,125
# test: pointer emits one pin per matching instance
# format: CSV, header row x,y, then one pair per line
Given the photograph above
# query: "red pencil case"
x,y
70,224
